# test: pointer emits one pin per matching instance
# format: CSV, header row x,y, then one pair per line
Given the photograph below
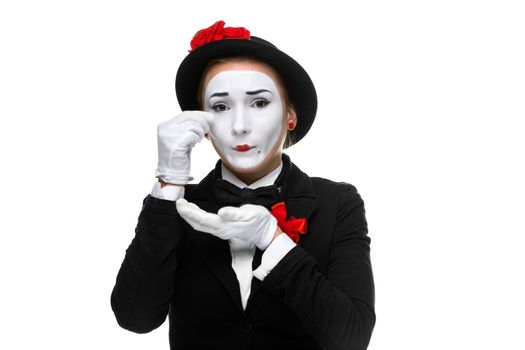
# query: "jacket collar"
x,y
297,193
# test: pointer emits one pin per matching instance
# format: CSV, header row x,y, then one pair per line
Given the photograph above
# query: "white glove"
x,y
250,222
176,137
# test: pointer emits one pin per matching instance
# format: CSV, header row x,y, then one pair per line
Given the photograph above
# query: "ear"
x,y
291,116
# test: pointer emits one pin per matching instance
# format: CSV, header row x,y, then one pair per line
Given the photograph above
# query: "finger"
x,y
233,214
193,205
183,204
210,118
199,219
193,126
205,119
185,213
193,134
189,141
184,207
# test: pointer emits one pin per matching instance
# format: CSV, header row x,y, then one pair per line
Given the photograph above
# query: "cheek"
x,y
220,130
270,126
274,119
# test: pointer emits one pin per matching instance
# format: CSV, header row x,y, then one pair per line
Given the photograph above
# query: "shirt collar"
x,y
267,180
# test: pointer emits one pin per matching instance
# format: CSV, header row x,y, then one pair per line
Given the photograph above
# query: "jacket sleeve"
x,y
337,308
144,284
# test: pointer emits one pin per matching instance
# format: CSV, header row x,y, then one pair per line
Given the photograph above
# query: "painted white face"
x,y
248,115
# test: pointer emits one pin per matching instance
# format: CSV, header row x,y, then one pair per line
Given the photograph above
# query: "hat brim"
x,y
299,86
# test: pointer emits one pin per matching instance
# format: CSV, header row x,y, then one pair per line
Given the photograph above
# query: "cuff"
x,y
170,193
167,176
279,247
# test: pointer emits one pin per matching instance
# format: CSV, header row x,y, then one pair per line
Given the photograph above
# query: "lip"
x,y
243,148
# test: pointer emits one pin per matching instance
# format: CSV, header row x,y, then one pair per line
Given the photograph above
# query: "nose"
x,y
240,125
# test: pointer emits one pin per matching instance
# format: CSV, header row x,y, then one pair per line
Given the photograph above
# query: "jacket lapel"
x,y
298,196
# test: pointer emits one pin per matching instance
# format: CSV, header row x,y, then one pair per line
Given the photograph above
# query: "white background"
x,y
421,107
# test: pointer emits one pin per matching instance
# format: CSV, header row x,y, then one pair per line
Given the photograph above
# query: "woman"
x,y
258,254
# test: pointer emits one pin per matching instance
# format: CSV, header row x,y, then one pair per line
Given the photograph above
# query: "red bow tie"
x,y
293,227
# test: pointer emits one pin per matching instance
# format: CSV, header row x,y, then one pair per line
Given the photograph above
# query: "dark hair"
x,y
290,134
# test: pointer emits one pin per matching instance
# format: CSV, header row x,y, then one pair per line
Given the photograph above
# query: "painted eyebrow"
x,y
219,94
257,92
222,94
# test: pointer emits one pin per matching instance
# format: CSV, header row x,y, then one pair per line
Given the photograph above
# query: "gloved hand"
x,y
250,222
175,138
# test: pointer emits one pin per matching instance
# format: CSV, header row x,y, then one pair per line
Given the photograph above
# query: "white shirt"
x,y
242,252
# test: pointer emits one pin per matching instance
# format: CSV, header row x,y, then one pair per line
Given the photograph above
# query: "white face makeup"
x,y
248,115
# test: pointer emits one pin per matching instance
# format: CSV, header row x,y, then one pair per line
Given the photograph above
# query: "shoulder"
x,y
342,201
334,189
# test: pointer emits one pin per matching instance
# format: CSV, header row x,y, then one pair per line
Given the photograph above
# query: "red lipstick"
x,y
243,148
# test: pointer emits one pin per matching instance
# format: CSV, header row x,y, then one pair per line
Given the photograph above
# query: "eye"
x,y
260,103
220,107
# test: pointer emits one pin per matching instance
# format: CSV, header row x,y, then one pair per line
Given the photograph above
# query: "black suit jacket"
x,y
319,296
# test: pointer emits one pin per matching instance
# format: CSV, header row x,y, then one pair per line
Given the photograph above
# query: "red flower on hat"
x,y
293,227
217,32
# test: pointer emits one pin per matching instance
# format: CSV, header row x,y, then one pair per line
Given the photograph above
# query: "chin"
x,y
245,165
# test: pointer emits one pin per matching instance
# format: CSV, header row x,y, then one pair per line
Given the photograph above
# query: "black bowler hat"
x,y
218,42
